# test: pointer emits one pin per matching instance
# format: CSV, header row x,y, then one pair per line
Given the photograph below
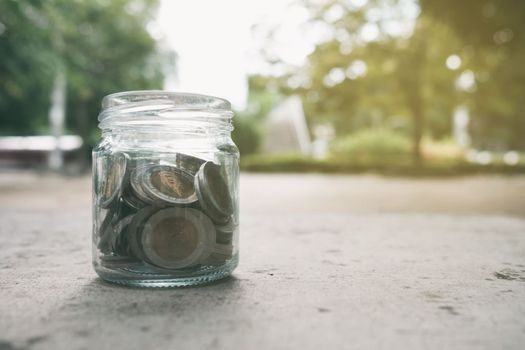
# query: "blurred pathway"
x,y
262,194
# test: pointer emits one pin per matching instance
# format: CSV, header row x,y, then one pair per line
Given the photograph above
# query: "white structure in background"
x,y
461,120
324,134
66,143
511,158
169,69
56,119
286,129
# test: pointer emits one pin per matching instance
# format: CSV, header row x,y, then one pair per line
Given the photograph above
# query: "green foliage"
x,y
493,39
398,166
246,135
377,143
101,46
407,85
26,64
405,82
482,23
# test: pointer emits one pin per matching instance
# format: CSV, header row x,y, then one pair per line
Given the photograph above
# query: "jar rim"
x,y
177,100
182,111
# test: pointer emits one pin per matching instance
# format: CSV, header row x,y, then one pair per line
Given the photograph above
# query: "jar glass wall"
x,y
165,190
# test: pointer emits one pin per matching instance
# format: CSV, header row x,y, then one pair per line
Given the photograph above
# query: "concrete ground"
x,y
327,262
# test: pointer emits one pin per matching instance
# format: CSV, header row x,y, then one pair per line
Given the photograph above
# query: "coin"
x,y
224,232
116,231
137,184
135,231
188,163
213,193
214,215
175,238
111,183
169,184
105,238
106,227
139,229
115,262
180,272
124,208
223,250
224,237
220,253
131,200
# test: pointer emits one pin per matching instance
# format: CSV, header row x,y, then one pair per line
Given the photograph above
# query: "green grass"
x,y
393,165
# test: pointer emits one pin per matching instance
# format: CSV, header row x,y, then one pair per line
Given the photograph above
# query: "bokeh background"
x,y
406,86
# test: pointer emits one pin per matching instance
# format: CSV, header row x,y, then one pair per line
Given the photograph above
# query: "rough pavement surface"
x,y
327,262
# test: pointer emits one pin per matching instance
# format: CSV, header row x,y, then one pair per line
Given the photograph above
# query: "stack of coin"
x,y
213,192
112,172
170,214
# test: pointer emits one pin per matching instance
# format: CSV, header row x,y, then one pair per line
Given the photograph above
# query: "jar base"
x,y
163,281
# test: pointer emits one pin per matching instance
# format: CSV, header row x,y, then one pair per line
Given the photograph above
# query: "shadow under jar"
x,y
165,190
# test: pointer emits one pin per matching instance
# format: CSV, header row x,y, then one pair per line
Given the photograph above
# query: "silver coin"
x,y
175,238
137,184
131,200
121,247
106,227
214,215
135,231
117,232
112,178
187,163
213,193
169,184
217,188
219,255
104,242
225,232
224,237
189,270
111,215
116,262
224,250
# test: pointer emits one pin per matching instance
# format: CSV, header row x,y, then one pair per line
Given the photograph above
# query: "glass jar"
x,y
165,190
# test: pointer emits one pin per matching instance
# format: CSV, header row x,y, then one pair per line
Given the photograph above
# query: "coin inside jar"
x,y
119,239
169,184
225,232
174,238
131,200
213,193
112,183
105,228
219,254
135,230
137,185
188,163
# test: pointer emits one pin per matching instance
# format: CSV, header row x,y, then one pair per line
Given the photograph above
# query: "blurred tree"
x,y
395,80
482,23
493,42
369,73
26,67
248,122
101,46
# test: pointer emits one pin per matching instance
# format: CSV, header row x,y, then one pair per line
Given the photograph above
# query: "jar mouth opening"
x,y
176,100
150,109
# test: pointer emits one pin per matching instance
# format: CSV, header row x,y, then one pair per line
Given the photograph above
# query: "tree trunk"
x,y
419,121
415,103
